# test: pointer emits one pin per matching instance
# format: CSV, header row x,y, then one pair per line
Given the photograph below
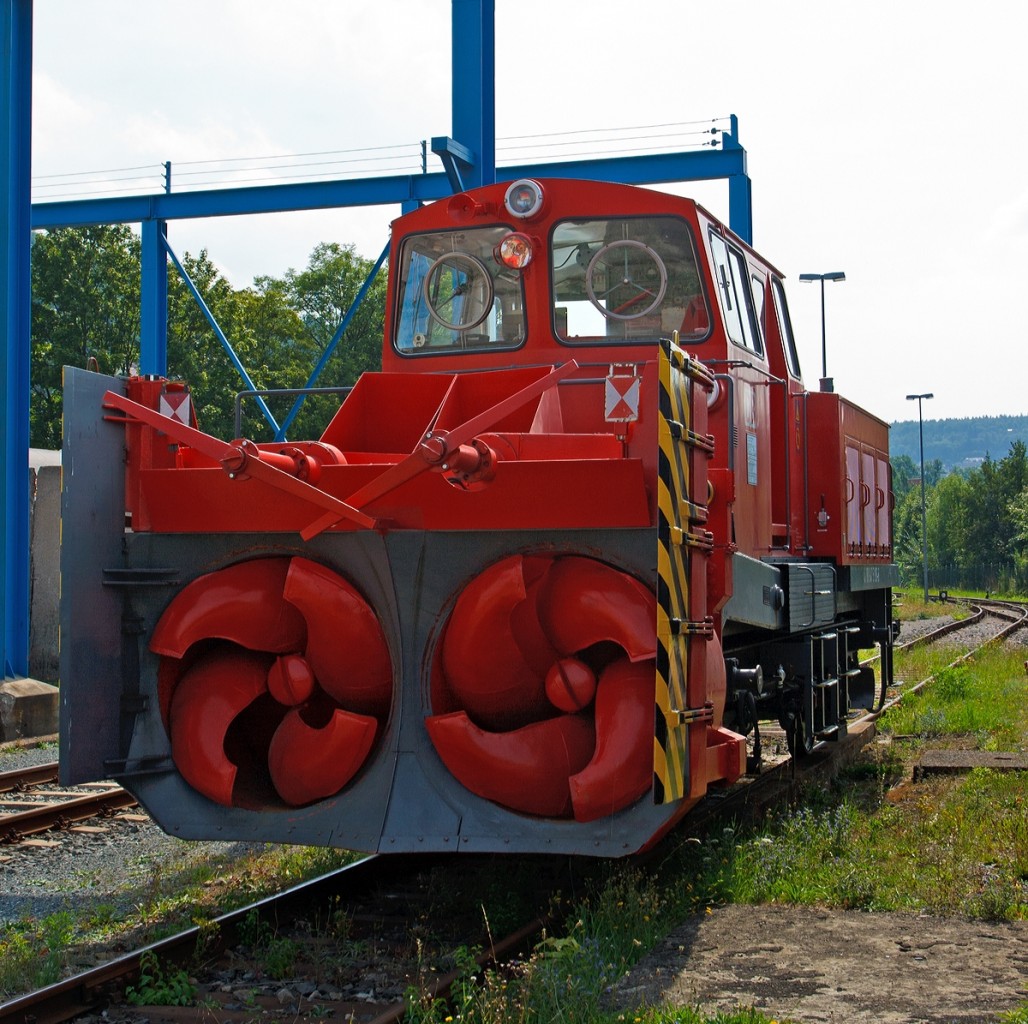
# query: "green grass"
x,y
983,698
949,848
33,955
13,754
160,985
685,1015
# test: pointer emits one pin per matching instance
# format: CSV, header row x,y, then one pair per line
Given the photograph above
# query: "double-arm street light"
x,y
833,275
924,514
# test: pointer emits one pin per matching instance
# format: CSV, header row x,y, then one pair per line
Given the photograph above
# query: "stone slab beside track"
x,y
836,966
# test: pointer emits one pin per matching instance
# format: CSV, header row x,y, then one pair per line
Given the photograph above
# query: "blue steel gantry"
x,y
468,159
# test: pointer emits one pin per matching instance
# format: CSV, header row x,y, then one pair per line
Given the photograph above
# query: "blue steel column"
x,y
15,322
153,298
473,39
740,197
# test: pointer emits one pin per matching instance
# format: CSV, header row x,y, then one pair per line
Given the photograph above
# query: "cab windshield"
x,y
626,278
453,295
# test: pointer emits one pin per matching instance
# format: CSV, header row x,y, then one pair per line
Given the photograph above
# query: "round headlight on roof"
x,y
524,198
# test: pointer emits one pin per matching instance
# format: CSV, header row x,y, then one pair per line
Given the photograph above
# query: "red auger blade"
x,y
345,648
485,667
621,769
584,602
241,603
526,769
293,640
206,701
308,763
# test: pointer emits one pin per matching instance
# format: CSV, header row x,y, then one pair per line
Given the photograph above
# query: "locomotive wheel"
x,y
544,687
275,680
800,742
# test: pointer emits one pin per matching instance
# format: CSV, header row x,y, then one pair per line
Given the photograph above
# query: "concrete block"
x,y
28,708
45,568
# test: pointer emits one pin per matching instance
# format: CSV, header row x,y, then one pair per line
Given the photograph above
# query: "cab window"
x,y
454,295
732,283
626,279
757,286
785,326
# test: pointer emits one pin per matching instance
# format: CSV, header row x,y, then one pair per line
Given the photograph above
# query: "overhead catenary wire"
x,y
623,128
111,170
400,158
284,156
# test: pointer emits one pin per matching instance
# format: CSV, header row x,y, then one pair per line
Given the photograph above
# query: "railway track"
x,y
389,878
31,804
1013,615
365,889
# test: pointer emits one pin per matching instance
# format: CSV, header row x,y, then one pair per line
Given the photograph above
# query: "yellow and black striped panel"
x,y
680,502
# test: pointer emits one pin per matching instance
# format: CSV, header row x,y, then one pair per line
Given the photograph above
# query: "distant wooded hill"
x,y
959,444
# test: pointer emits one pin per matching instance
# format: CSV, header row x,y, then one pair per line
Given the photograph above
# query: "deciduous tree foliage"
x,y
85,312
321,295
85,306
906,475
977,525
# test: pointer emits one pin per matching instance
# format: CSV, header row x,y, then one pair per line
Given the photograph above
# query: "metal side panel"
x,y
92,530
757,593
868,577
812,594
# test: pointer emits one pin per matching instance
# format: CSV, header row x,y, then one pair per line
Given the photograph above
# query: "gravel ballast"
x,y
103,869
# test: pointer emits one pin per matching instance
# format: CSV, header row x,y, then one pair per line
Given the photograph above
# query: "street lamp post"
x,y
924,514
833,275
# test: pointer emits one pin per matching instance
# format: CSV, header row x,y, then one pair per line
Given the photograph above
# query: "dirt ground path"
x,y
842,967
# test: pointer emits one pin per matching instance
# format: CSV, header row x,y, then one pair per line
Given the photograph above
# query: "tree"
x,y
321,295
85,306
993,486
904,473
932,472
1019,517
976,523
258,323
948,522
906,531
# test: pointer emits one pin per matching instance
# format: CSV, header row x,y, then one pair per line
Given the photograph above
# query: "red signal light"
x,y
514,251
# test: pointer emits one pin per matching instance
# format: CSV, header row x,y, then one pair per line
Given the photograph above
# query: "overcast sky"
x,y
884,139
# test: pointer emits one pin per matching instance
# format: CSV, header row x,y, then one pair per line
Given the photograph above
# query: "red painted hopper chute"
x,y
275,679
544,687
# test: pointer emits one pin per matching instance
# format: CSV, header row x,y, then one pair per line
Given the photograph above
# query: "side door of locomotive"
x,y
746,366
788,430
